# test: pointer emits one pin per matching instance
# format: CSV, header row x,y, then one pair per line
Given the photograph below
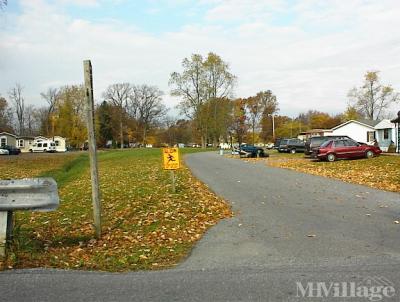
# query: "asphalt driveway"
x,y
288,228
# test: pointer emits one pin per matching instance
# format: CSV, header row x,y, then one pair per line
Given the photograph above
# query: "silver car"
x,y
4,152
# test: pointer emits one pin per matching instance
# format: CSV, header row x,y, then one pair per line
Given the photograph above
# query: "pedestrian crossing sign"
x,y
171,158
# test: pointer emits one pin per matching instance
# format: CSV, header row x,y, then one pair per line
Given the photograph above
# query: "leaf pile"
x,y
145,226
380,172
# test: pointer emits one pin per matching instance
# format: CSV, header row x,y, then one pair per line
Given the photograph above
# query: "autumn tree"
x,y
118,95
239,123
351,113
372,98
70,119
270,108
105,123
216,114
200,81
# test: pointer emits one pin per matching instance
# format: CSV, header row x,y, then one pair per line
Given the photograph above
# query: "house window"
x,y
385,133
3,141
57,142
21,143
370,136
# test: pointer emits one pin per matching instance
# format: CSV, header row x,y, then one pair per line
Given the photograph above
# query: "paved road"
x,y
263,253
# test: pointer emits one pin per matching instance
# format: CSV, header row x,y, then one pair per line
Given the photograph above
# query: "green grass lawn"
x,y
145,225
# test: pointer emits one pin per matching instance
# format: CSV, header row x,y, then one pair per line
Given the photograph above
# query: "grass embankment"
x,y
380,172
145,226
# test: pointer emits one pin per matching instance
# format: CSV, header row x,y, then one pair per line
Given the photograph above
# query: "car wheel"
x,y
331,157
293,151
44,150
30,150
369,154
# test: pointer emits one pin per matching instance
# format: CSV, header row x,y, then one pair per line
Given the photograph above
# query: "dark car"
x,y
345,149
291,145
252,151
315,142
12,150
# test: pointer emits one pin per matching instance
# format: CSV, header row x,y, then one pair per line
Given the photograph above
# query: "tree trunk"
x,y
253,126
122,132
144,136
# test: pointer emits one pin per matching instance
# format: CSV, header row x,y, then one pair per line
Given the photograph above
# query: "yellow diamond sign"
x,y
171,158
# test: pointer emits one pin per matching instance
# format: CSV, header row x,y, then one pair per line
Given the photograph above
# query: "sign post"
x,y
171,162
87,67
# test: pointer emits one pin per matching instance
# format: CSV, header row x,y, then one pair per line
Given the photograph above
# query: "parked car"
x,y
315,142
4,151
345,149
43,146
12,150
291,145
252,151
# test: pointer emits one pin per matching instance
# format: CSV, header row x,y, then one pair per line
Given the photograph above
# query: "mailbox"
x,y
30,194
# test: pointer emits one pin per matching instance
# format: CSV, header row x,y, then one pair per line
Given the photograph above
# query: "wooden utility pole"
x,y
273,126
87,67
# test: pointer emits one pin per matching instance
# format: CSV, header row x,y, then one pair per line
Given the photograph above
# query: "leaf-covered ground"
x,y
380,172
145,225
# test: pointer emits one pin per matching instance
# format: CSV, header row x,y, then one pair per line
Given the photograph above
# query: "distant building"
x,y
313,132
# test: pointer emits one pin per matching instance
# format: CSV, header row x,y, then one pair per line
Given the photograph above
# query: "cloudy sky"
x,y
308,52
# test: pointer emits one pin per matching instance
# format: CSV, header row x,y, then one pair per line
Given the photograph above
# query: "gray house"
x,y
8,139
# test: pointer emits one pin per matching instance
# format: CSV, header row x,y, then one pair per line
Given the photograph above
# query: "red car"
x,y
345,148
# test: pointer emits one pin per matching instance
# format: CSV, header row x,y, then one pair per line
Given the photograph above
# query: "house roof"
x,y
9,134
25,137
367,123
372,123
384,124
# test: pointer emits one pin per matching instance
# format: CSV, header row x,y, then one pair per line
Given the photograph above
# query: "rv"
x,y
43,145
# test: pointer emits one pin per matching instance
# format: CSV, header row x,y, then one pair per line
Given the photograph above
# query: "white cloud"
x,y
310,62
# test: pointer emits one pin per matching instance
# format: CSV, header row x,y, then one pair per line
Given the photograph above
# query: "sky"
x,y
310,53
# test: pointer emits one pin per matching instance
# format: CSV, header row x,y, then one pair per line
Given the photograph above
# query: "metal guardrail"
x,y
29,194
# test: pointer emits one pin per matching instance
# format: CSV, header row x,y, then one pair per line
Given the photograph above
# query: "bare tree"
x,y
147,103
18,101
3,3
118,95
373,98
50,96
5,116
31,125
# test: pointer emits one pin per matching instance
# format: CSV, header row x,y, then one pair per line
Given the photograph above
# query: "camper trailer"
x,y
43,145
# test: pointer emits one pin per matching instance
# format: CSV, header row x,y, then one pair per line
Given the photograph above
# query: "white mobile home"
x,y
24,143
8,139
362,131
60,143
